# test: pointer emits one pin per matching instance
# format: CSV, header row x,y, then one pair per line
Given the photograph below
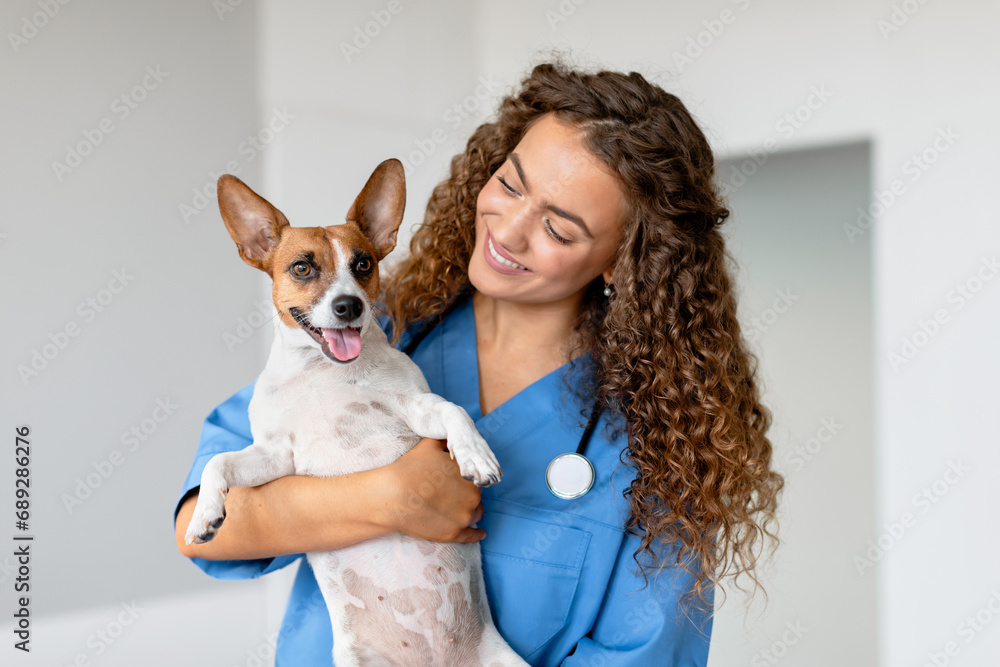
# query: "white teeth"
x,y
503,260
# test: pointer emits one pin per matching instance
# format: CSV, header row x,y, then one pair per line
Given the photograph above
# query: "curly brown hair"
x,y
670,357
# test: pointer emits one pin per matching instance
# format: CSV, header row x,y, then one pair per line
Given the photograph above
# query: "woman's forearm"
x,y
292,515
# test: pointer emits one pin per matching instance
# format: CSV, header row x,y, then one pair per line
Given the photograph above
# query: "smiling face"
x,y
554,212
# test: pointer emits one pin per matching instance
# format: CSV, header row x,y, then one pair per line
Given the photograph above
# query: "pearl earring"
x,y
607,289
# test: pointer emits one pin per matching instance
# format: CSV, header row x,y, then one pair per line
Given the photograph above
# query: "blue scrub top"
x,y
561,581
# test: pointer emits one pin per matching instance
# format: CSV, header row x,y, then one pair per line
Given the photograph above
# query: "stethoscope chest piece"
x,y
569,475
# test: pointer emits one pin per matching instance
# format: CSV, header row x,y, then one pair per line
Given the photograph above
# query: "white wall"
x,y
805,303
393,96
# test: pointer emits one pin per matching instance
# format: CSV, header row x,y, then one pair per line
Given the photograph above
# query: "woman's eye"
x,y
552,232
301,269
548,226
506,187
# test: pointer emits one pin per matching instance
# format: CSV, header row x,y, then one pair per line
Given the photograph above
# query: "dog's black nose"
x,y
347,308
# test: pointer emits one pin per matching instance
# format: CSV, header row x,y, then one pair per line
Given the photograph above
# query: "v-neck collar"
x,y
461,365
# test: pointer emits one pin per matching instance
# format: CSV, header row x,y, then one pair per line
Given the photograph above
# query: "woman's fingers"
x,y
434,501
470,535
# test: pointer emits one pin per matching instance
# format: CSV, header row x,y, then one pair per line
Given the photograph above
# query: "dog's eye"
x,y
364,265
301,269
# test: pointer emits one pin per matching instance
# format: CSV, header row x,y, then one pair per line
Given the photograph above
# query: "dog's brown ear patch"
x,y
254,224
378,209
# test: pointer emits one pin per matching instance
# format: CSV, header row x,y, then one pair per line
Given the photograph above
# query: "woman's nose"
x,y
511,230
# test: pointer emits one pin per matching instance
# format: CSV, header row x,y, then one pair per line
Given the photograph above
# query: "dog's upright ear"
x,y
378,210
253,223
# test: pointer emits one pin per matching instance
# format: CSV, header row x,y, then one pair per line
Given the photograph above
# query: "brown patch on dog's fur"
x,y
381,407
447,557
414,598
343,423
343,431
299,242
426,547
378,635
461,645
381,200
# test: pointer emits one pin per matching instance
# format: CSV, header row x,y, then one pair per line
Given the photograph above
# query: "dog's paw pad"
x,y
204,527
207,536
489,480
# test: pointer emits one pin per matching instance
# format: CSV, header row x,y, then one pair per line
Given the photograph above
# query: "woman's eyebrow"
x,y
562,213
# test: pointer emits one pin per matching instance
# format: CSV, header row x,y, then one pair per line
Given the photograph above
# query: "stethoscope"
x,y
568,476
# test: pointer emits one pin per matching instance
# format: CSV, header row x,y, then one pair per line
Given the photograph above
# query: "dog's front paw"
x,y
206,520
475,459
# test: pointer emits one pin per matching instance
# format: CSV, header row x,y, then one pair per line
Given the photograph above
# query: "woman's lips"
x,y
494,263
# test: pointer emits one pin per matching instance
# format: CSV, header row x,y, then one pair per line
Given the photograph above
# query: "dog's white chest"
x,y
332,428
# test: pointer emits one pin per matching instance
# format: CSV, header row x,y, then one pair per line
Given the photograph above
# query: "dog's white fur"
x,y
394,599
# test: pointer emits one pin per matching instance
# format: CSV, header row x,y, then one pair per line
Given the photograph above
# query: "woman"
x,y
570,265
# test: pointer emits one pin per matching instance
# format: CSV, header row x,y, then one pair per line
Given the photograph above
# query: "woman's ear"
x,y
607,274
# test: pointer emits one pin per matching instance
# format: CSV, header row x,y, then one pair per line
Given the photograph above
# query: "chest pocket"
x,y
531,569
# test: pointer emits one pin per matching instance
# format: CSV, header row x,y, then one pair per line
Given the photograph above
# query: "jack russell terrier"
x,y
336,398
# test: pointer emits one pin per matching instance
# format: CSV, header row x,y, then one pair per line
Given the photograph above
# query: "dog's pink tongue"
x,y
344,343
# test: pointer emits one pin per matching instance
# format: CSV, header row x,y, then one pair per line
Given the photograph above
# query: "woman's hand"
x,y
426,496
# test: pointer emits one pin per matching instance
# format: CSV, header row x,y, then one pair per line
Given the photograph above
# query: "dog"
x,y
335,398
